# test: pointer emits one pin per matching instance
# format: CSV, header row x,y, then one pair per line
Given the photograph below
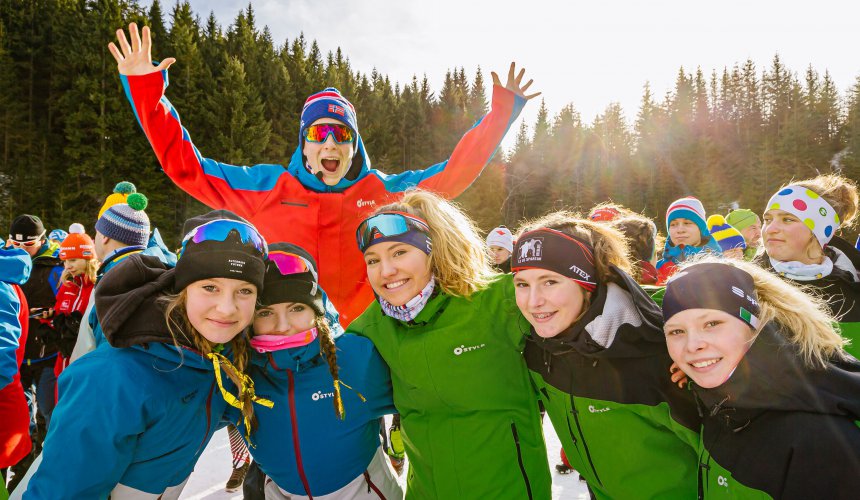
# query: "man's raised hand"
x,y
136,59
514,83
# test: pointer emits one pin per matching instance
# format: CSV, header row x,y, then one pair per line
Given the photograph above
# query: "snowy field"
x,y
213,470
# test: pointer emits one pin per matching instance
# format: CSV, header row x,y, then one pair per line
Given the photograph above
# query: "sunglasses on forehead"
x,y
387,224
219,230
319,133
27,244
289,263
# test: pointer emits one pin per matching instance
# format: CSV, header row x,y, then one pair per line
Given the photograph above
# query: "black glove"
x,y
67,327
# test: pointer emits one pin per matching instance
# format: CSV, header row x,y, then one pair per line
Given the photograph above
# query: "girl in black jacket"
x,y
778,393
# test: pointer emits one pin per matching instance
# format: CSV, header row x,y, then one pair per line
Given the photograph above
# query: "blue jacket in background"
x,y
333,452
15,267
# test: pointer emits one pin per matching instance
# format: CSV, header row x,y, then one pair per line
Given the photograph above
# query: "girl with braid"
x,y
301,360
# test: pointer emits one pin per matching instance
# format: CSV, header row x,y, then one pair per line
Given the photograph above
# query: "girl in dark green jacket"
x,y
450,331
596,352
778,392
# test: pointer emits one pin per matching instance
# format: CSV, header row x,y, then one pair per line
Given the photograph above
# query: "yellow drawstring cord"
x,y
246,388
341,413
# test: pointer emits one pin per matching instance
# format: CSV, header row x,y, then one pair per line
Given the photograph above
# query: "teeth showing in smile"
x,y
395,284
542,315
703,364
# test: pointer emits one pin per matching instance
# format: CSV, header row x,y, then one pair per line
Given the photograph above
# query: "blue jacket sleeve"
x,y
10,333
93,434
380,395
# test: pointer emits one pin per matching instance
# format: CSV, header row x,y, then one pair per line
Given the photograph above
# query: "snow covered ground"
x,y
213,469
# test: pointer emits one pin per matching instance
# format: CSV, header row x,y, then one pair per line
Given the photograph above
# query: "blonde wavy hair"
x,y
459,259
180,327
90,272
610,245
802,313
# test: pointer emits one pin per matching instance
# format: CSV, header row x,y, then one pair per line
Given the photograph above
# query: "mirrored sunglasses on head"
x,y
319,133
387,224
289,263
219,230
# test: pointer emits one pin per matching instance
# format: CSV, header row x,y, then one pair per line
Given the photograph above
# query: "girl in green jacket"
x,y
450,331
597,355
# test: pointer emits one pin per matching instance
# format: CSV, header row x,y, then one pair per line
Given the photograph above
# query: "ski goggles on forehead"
x,y
290,263
319,133
219,230
28,243
387,224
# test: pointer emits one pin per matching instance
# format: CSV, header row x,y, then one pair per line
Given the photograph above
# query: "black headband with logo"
x,y
713,286
558,252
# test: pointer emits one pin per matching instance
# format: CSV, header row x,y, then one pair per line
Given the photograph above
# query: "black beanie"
x,y
300,287
211,258
26,228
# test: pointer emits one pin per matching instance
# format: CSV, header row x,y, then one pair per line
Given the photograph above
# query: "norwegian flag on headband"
x,y
334,108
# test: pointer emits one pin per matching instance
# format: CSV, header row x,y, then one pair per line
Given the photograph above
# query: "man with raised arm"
x,y
327,188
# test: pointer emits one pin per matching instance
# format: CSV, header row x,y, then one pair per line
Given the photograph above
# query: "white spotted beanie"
x,y
809,207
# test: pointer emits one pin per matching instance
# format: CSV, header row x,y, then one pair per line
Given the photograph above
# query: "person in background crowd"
x,y
500,242
15,441
328,185
78,253
450,332
776,388
749,224
597,356
688,235
730,240
57,236
37,370
608,211
641,235
800,220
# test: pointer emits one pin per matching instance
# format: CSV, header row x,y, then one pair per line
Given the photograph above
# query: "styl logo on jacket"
x,y
460,350
321,395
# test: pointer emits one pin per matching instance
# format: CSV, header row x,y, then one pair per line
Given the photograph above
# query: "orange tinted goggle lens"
x,y
319,133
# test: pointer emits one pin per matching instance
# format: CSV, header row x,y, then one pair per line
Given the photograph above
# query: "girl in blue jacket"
x,y
134,416
294,363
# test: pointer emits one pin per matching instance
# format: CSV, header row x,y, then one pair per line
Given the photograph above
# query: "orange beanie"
x,y
77,245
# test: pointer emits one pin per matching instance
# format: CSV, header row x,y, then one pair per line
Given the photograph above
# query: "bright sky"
x,y
589,53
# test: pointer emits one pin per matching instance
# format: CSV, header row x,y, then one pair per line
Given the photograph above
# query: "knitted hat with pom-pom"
x,y
77,245
119,195
126,222
726,235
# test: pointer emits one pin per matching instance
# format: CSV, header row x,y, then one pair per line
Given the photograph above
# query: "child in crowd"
x,y
688,236
500,241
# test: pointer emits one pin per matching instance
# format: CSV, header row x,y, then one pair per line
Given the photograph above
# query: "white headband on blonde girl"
x,y
810,208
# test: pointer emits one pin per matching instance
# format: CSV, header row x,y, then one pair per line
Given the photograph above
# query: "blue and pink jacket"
x,y
290,204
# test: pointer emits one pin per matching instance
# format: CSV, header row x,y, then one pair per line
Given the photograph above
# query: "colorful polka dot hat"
x,y
810,208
